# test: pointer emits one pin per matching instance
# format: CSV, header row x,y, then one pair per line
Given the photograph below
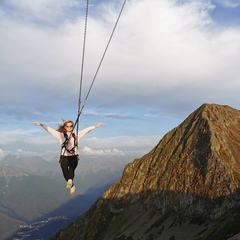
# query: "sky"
x,y
166,59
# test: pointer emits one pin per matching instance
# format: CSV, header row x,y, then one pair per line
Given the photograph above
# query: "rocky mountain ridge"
x,y
186,187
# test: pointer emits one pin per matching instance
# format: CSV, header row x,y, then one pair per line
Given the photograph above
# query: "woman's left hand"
x,y
98,125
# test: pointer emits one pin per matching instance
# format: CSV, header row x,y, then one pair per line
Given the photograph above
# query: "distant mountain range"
x,y
186,188
25,197
33,190
47,225
33,165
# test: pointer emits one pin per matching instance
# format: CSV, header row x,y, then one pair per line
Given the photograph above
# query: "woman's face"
x,y
68,126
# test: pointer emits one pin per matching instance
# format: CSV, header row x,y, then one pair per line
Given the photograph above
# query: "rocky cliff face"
x,y
185,188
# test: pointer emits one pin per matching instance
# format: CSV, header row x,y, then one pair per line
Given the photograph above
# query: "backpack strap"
x,y
65,143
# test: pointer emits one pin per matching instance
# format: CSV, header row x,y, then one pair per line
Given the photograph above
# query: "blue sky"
x,y
165,60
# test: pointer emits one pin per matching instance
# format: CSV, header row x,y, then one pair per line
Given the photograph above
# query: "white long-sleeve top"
x,y
60,136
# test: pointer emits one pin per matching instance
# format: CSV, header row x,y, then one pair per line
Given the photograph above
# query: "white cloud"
x,y
42,10
2,153
164,56
21,152
229,3
157,48
38,142
88,151
122,144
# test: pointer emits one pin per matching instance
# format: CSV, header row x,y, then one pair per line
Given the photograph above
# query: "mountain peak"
x,y
189,180
199,156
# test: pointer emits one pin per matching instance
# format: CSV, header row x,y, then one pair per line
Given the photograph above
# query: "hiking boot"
x,y
69,183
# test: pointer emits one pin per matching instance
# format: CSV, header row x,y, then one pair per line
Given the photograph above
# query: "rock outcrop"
x,y
185,188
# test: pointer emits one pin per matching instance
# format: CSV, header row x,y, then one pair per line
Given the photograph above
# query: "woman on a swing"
x,y
69,151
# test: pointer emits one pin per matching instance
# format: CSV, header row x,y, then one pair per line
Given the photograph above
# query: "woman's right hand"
x,y
38,124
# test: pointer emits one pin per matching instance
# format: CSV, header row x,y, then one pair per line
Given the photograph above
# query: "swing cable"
x,y
80,109
83,58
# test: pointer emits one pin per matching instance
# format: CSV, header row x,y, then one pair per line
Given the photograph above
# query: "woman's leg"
x,y
64,162
72,164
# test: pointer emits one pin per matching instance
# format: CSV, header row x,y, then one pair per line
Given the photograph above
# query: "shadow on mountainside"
x,y
47,225
162,215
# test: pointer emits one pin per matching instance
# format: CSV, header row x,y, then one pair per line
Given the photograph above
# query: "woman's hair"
x,y
61,128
